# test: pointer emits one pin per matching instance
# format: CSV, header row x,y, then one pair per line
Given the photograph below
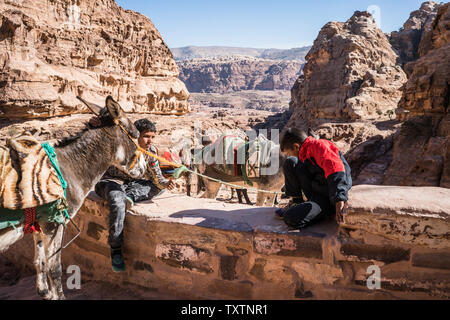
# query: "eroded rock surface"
x,y
351,73
52,51
349,93
408,214
406,41
422,149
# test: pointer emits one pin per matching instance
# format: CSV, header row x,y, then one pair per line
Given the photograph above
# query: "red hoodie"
x,y
322,157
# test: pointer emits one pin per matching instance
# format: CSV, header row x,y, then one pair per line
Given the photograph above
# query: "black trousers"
x,y
115,194
307,211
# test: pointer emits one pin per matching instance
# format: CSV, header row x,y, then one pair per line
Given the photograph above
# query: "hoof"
x,y
55,297
45,294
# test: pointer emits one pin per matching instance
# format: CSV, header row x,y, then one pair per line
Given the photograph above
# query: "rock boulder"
x,y
351,73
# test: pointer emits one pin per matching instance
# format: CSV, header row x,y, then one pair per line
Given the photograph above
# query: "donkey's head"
x,y
121,134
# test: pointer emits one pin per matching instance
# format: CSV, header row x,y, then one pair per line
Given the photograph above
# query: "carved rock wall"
x,y
52,51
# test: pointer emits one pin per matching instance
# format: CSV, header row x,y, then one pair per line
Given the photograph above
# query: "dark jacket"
x,y
327,168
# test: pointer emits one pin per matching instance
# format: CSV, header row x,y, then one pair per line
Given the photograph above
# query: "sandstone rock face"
x,y
406,41
351,73
52,51
228,74
349,93
422,149
411,215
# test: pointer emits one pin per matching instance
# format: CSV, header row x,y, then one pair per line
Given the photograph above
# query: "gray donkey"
x,y
83,161
273,181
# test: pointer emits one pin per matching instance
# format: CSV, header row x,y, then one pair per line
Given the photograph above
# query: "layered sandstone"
x,y
351,74
231,74
52,51
406,41
349,93
422,149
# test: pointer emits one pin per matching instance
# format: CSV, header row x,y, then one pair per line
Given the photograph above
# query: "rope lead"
x,y
180,169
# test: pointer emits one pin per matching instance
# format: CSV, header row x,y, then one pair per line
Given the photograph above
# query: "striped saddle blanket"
x,y
27,176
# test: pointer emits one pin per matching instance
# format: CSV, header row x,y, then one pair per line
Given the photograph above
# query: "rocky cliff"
x,y
349,93
52,51
422,149
351,73
369,85
228,74
406,41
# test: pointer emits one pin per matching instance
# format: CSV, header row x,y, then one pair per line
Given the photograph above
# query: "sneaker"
x,y
279,213
117,262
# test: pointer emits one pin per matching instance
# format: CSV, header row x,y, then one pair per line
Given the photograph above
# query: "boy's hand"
x,y
341,210
169,185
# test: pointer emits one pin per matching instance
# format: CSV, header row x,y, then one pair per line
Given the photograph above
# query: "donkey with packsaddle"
x,y
250,164
42,187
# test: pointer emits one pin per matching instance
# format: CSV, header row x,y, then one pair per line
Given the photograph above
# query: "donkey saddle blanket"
x,y
27,176
223,154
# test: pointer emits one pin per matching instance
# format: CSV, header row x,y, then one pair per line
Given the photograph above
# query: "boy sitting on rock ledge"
x,y
121,191
318,170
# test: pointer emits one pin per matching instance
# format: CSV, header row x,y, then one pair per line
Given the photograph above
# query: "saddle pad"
x,y
260,151
52,212
27,176
225,153
172,157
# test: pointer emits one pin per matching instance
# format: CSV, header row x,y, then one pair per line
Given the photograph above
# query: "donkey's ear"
x,y
114,109
91,106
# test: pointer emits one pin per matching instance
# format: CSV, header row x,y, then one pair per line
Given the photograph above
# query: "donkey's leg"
x,y
212,188
8,237
239,194
260,199
53,235
188,183
40,263
247,199
232,193
270,199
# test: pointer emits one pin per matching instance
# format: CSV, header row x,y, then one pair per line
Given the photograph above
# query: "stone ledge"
x,y
411,215
204,249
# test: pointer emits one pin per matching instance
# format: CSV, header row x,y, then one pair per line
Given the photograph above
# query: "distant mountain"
x,y
237,73
193,52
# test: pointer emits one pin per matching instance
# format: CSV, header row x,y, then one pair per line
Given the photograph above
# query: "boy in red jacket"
x,y
318,170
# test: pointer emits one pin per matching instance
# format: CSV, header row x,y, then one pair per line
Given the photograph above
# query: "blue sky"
x,y
258,24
